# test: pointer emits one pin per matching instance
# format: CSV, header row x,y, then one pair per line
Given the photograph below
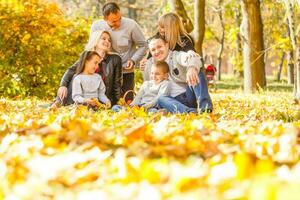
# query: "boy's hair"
x,y
162,65
85,56
110,7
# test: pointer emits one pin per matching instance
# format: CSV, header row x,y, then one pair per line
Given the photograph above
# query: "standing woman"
x,y
110,69
171,28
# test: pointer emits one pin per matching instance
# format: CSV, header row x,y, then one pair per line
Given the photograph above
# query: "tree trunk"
x,y
290,59
296,49
199,18
238,54
131,10
219,58
177,7
290,66
297,92
253,51
280,67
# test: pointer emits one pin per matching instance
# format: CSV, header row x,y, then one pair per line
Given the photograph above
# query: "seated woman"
x,y
110,69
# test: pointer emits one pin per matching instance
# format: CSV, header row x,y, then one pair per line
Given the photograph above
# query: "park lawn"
x,y
247,149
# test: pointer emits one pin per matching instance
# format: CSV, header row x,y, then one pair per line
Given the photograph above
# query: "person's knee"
x,y
201,77
162,100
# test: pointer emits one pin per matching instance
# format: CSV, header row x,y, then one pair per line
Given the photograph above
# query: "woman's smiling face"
x,y
104,42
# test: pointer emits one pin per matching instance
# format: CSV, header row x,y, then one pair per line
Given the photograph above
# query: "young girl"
x,y
88,85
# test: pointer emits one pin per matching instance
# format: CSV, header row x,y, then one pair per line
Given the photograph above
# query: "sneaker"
x,y
55,105
116,108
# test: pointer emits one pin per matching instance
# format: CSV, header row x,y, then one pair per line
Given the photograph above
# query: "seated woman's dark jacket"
x,y
111,67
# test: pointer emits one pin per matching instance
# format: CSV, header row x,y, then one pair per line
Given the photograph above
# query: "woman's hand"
x,y
130,64
92,102
62,92
143,64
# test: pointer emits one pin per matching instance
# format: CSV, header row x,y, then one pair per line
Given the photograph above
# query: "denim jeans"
x,y
118,108
195,97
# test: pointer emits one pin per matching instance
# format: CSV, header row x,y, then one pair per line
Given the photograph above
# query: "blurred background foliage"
x,y
37,44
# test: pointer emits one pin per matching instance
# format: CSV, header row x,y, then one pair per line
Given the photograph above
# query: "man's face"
x,y
159,49
113,20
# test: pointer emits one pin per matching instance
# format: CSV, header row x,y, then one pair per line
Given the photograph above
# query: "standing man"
x,y
127,40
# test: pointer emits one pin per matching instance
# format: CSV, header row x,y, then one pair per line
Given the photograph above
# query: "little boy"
x,y
151,90
157,86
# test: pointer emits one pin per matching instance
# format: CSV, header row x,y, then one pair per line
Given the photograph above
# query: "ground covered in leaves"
x,y
247,149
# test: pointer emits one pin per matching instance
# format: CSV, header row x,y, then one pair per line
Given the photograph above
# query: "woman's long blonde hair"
x,y
174,29
94,39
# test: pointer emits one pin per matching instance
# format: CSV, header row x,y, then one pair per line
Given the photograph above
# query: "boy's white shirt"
x,y
181,61
150,92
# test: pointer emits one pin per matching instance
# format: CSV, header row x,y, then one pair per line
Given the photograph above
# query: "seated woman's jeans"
x,y
195,97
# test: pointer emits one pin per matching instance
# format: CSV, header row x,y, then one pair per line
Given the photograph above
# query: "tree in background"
x,y
253,48
238,55
220,39
296,49
177,7
199,18
131,9
37,44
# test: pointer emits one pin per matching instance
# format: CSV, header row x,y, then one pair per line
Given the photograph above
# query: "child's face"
x,y
92,64
157,74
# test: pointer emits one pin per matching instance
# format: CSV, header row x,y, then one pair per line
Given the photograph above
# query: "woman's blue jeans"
x,y
195,97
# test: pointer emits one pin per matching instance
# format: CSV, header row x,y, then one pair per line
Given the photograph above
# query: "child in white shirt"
x,y
151,90
88,86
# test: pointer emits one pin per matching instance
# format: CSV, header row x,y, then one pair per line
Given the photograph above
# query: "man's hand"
x,y
191,54
192,76
143,64
62,92
130,64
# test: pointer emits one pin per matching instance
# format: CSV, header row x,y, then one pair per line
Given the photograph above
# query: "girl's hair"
x,y
94,39
174,29
85,56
